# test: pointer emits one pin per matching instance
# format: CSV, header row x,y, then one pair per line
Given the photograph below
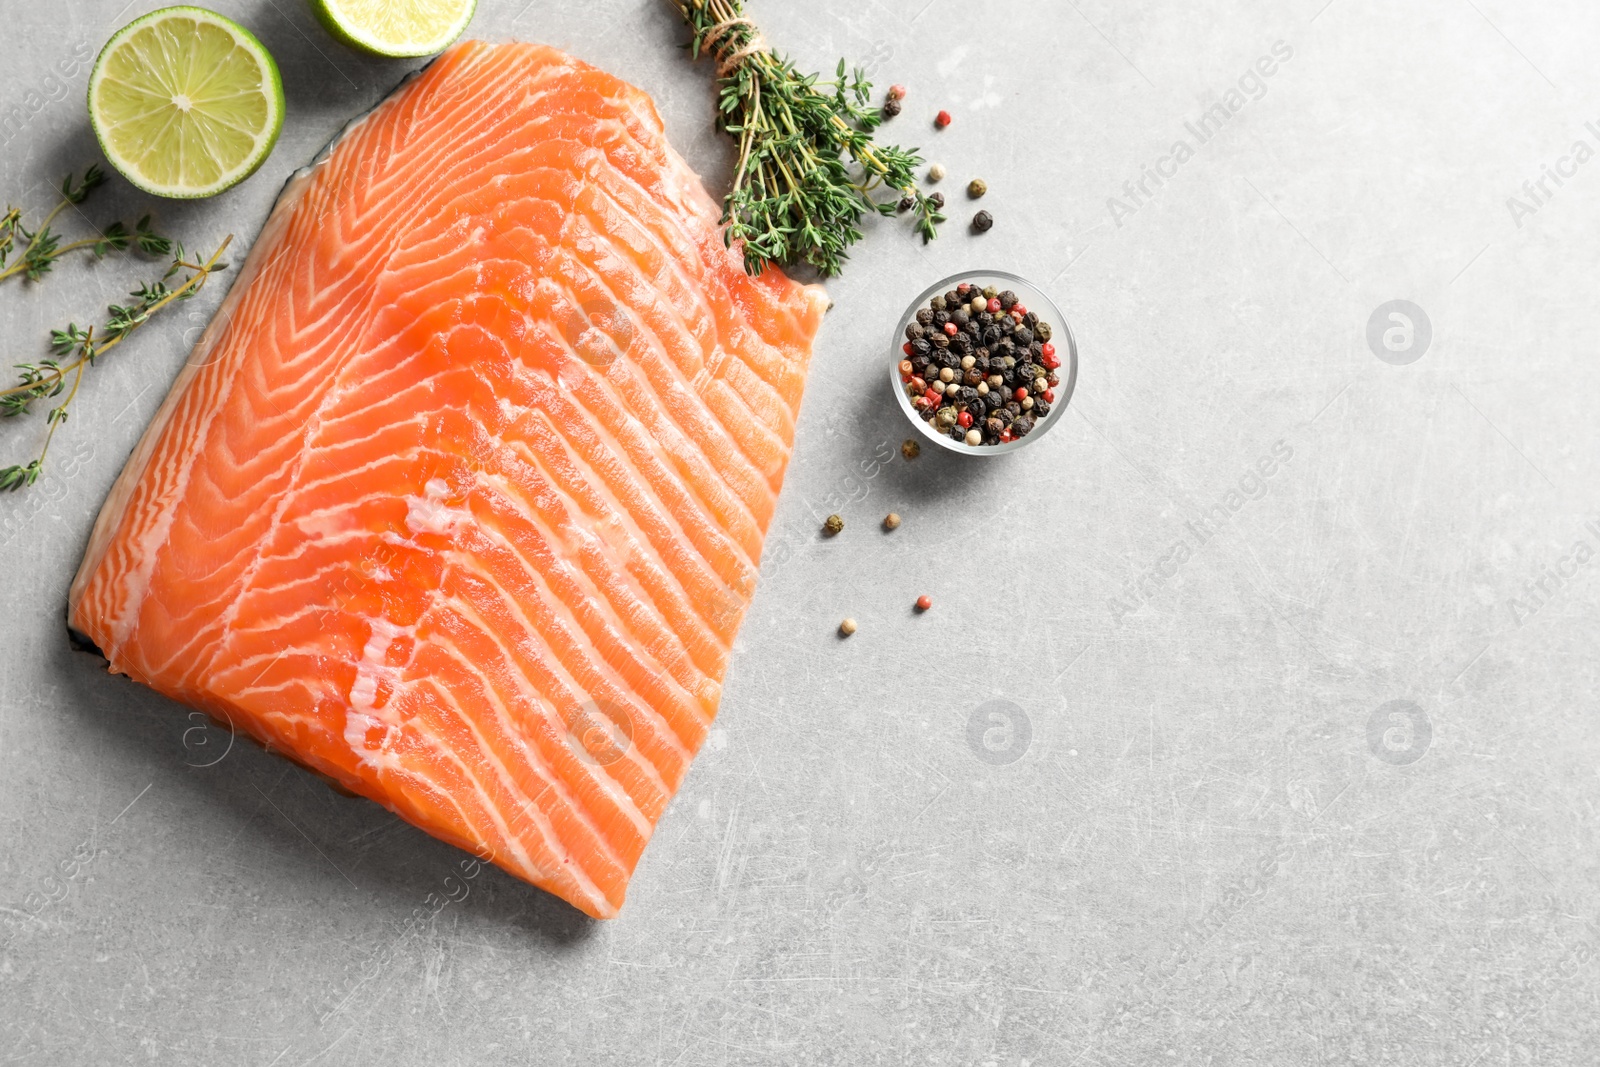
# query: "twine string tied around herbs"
x,y
723,35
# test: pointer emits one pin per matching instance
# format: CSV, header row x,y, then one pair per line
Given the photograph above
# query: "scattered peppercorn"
x,y
982,221
897,92
936,172
906,203
924,602
910,449
891,521
942,119
847,627
891,107
977,187
937,200
833,525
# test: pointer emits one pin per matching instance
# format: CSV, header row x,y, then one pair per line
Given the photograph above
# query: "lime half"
x,y
186,103
396,27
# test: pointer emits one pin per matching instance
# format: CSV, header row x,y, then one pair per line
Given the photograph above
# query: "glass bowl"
x,y
1035,301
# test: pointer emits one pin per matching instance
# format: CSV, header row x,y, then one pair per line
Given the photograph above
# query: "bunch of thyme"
x,y
794,197
39,248
76,349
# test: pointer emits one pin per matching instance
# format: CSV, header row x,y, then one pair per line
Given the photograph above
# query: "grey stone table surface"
x,y
1254,722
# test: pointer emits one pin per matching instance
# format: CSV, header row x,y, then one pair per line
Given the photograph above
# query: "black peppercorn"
x,y
1032,321
920,347
906,204
1036,351
961,316
960,344
891,107
1041,408
991,336
980,361
937,200
1023,336
1008,300
1014,407
994,427
972,376
937,303
925,317
982,222
913,331
1021,425
968,395
919,362
940,341
951,299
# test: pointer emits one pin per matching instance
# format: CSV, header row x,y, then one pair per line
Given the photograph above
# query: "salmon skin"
x,y
460,499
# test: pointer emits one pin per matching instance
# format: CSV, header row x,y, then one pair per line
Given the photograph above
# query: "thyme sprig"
x,y
794,197
38,249
75,349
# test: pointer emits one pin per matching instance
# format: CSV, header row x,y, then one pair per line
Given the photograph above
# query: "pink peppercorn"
x,y
942,119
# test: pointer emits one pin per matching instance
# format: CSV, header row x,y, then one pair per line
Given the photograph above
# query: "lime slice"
x,y
186,103
396,27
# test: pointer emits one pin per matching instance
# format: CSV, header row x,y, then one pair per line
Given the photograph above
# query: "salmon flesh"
x,y
460,499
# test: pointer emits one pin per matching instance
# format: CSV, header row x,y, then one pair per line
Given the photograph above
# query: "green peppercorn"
x,y
833,525
1042,331
990,292
910,449
982,222
977,187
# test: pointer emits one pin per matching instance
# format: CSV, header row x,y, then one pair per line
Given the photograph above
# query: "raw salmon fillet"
x,y
460,499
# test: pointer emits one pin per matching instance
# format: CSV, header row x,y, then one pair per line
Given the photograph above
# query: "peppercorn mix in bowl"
x,y
984,363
